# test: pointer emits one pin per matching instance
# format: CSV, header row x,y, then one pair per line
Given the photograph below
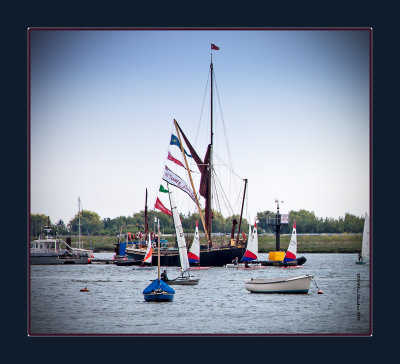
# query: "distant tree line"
x,y
92,224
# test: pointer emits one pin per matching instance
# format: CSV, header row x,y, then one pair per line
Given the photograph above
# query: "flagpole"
x,y
191,181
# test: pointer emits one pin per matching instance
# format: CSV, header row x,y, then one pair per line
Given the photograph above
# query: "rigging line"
x,y
227,166
202,110
216,197
235,186
229,207
223,123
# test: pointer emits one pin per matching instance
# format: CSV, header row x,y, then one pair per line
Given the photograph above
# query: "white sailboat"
x,y
194,251
363,257
251,253
184,278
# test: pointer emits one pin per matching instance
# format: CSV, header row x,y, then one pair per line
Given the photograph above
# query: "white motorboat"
x,y
297,284
49,249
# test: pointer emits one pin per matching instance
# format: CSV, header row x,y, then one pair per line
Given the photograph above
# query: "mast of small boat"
x,y
241,212
158,241
146,225
79,223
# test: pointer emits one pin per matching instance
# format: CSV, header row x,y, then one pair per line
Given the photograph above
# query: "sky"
x,y
291,114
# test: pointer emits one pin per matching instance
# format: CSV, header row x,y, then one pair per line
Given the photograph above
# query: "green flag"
x,y
162,189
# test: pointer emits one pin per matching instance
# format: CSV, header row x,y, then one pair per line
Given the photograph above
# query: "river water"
x,y
218,305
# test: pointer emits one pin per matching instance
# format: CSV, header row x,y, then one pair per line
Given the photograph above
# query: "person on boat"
x,y
235,261
359,256
246,265
164,276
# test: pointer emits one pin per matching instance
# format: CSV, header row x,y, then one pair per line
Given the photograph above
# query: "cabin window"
x,y
41,246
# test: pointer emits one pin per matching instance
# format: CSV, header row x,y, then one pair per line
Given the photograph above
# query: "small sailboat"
x,y
290,259
299,284
146,264
194,251
363,257
184,278
251,253
158,290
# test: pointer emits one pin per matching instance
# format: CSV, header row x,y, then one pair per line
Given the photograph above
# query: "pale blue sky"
x,y
295,104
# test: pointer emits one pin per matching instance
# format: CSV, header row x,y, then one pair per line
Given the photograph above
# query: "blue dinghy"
x,y
158,291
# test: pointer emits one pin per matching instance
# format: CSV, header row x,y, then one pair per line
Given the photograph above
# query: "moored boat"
x,y
49,250
298,284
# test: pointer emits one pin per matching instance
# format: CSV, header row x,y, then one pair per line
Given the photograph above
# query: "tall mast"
x,y
209,197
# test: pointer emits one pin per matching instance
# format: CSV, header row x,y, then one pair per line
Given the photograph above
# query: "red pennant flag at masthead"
x,y
158,205
213,46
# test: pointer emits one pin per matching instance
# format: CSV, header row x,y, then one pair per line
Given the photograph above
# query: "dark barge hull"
x,y
208,258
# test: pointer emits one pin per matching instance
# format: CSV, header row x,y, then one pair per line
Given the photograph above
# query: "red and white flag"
x,y
159,205
171,158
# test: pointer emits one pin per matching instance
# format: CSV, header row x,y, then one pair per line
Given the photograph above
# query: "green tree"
x,y
90,221
352,223
37,223
61,228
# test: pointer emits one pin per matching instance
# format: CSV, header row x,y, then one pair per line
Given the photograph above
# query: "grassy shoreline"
x,y
339,243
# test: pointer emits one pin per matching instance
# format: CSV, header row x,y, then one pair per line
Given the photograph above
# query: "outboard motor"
x,y
301,260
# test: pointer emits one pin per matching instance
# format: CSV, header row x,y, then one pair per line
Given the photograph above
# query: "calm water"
x,y
220,304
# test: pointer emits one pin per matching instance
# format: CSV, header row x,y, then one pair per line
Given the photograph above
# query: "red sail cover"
x,y
159,205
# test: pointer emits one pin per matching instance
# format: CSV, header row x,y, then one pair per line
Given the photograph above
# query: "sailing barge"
x,y
212,256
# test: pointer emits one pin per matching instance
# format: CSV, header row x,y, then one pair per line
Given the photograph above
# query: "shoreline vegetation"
x,y
323,243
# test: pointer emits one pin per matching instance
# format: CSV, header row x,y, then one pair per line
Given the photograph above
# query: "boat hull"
x,y
209,258
280,263
127,262
184,282
299,284
158,297
55,259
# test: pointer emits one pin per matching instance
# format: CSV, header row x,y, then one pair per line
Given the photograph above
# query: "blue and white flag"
x,y
175,141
